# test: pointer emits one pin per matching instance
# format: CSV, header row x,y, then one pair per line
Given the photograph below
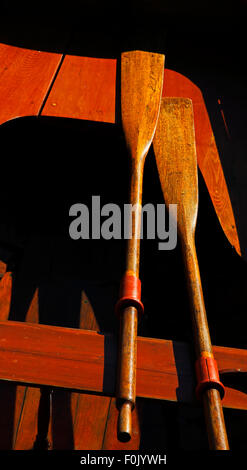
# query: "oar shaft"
x,y
141,89
215,421
201,332
127,370
213,410
126,390
133,244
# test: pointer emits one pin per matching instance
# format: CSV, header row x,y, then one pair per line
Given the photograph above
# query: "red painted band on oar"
x,y
207,376
130,294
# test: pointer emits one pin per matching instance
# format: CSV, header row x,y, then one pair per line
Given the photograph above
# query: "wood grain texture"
x,y
27,400
92,96
2,268
175,154
5,295
141,87
22,408
90,417
72,358
177,85
91,412
25,77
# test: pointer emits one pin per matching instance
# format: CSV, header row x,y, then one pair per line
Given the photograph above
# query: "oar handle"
x,y
128,307
126,391
209,387
215,422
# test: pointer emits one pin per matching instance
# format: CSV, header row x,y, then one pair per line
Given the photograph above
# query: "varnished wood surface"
x,y
86,360
176,85
92,96
141,88
87,421
175,154
27,74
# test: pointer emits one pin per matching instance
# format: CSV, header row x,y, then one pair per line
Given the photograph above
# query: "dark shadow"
x,y
96,29
7,414
235,379
45,181
214,63
62,424
184,360
41,441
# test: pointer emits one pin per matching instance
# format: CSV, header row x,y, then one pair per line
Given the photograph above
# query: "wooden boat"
x,y
57,372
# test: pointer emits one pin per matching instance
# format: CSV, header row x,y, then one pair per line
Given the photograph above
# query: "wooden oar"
x,y
208,158
141,88
175,153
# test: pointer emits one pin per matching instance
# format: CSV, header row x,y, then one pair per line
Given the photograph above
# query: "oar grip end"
x,y
125,422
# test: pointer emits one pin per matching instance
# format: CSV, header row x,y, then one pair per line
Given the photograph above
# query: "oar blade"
x,y
175,154
141,88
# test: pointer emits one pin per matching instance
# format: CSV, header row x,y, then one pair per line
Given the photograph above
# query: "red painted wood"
x,y
27,401
25,77
90,422
91,412
5,295
2,268
20,401
69,358
92,94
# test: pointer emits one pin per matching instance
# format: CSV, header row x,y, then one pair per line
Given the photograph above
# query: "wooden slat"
x,y
25,77
26,428
18,425
90,422
91,413
5,295
85,360
92,94
2,269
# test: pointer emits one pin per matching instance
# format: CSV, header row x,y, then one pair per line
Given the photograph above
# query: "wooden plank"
x,y
86,360
25,78
17,425
90,415
90,422
5,295
2,269
92,96
26,430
